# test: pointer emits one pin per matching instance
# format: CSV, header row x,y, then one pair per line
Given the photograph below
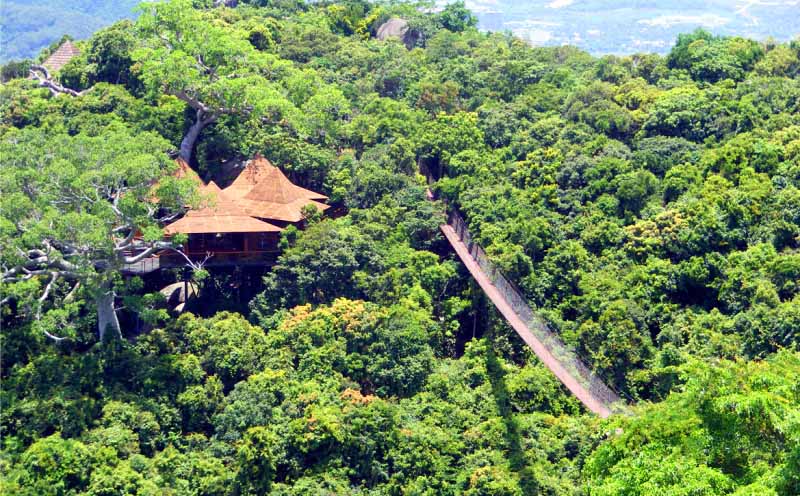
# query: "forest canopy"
x,y
648,208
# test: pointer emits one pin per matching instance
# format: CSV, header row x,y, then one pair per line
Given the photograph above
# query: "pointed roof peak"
x,y
69,45
264,191
252,173
61,56
275,187
260,170
212,189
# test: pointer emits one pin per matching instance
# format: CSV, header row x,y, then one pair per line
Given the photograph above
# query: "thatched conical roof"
x,y
254,170
63,54
276,187
264,191
276,198
282,212
212,189
222,215
258,171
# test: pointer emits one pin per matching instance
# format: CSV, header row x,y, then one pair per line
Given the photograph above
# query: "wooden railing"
x,y
169,259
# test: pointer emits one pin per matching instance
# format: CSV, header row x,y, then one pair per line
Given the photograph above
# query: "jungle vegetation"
x,y
648,206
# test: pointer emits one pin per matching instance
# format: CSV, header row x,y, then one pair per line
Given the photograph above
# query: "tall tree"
x,y
76,209
203,62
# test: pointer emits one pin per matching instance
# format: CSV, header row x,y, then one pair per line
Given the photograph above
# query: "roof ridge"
x,y
274,187
61,56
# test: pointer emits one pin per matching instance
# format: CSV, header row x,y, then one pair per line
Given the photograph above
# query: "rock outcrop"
x,y
397,28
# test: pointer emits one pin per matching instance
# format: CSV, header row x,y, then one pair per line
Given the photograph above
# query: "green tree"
x,y
724,430
257,461
456,17
214,69
448,135
323,264
72,211
107,57
53,465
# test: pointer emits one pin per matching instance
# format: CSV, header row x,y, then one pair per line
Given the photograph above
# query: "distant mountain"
x,y
629,26
27,26
598,26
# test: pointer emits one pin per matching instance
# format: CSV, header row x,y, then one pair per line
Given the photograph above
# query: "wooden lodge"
x,y
241,224
223,227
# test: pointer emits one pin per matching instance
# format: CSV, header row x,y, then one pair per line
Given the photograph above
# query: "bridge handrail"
x,y
567,356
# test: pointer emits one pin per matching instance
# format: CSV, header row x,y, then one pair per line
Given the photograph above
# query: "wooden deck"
x,y
173,260
143,266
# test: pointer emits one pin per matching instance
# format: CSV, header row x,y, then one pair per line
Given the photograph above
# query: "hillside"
x,y
27,26
224,273
598,26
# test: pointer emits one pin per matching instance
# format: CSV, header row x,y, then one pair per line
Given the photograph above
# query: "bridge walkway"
x,y
556,356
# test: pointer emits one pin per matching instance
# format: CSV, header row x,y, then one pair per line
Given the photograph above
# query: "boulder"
x,y
174,293
397,28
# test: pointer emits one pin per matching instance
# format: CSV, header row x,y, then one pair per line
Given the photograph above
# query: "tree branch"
x,y
41,74
166,41
72,292
159,245
211,112
169,217
191,263
127,242
46,293
57,339
39,262
192,101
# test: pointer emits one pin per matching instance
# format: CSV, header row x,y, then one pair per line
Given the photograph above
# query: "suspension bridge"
x,y
559,358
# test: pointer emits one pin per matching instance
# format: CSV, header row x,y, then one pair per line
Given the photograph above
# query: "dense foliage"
x,y
648,206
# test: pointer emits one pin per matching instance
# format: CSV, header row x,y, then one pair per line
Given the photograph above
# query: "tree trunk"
x,y
190,138
106,314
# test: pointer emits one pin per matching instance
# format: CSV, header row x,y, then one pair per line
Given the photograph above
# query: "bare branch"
x,y
42,69
41,74
169,217
160,245
125,243
166,40
193,102
196,265
39,263
208,70
208,119
46,294
57,339
72,292
209,112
